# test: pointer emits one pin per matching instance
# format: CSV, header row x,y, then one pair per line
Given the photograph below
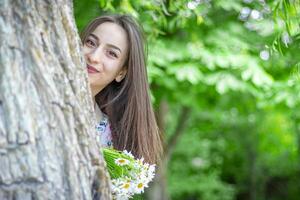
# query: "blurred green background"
x,y
225,86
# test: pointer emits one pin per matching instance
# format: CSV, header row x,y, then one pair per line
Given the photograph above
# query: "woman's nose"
x,y
94,56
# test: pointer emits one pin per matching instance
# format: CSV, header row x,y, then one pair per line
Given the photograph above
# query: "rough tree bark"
x,y
48,148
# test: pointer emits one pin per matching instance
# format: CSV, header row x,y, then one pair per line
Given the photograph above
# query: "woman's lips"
x,y
92,70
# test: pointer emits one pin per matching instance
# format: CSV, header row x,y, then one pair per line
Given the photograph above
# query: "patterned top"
x,y
104,132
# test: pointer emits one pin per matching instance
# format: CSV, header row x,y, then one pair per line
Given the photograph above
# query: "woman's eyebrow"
x,y
115,47
94,36
110,45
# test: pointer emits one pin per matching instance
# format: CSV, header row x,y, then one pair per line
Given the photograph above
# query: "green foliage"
x,y
201,170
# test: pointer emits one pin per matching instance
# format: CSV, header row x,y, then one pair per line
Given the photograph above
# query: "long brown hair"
x,y
127,103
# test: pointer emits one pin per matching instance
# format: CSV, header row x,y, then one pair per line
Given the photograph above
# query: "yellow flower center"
x,y
140,185
126,185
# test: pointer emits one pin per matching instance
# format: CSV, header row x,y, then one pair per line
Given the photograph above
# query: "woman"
x,y
114,53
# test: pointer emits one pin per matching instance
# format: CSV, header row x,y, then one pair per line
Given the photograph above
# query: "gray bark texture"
x,y
48,146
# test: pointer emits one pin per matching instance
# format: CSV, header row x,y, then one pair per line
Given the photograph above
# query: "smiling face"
x,y
105,51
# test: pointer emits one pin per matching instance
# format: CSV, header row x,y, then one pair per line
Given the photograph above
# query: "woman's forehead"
x,y
112,34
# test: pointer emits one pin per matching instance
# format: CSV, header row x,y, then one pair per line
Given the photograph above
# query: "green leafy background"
x,y
234,116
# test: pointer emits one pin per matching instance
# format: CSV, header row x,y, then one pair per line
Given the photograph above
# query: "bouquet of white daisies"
x,y
129,176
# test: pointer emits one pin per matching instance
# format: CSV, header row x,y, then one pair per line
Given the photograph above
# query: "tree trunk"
x,y
48,148
158,189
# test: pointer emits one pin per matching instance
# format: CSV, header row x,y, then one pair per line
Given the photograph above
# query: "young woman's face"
x,y
105,52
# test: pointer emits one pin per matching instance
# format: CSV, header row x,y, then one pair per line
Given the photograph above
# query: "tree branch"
x,y
181,124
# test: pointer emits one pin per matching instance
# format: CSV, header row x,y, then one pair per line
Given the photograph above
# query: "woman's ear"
x,y
121,74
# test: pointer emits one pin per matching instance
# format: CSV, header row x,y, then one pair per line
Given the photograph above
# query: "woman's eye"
x,y
90,43
113,54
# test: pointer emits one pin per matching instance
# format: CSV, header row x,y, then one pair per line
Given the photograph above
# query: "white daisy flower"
x,y
122,197
151,171
128,153
122,161
140,161
139,187
126,186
